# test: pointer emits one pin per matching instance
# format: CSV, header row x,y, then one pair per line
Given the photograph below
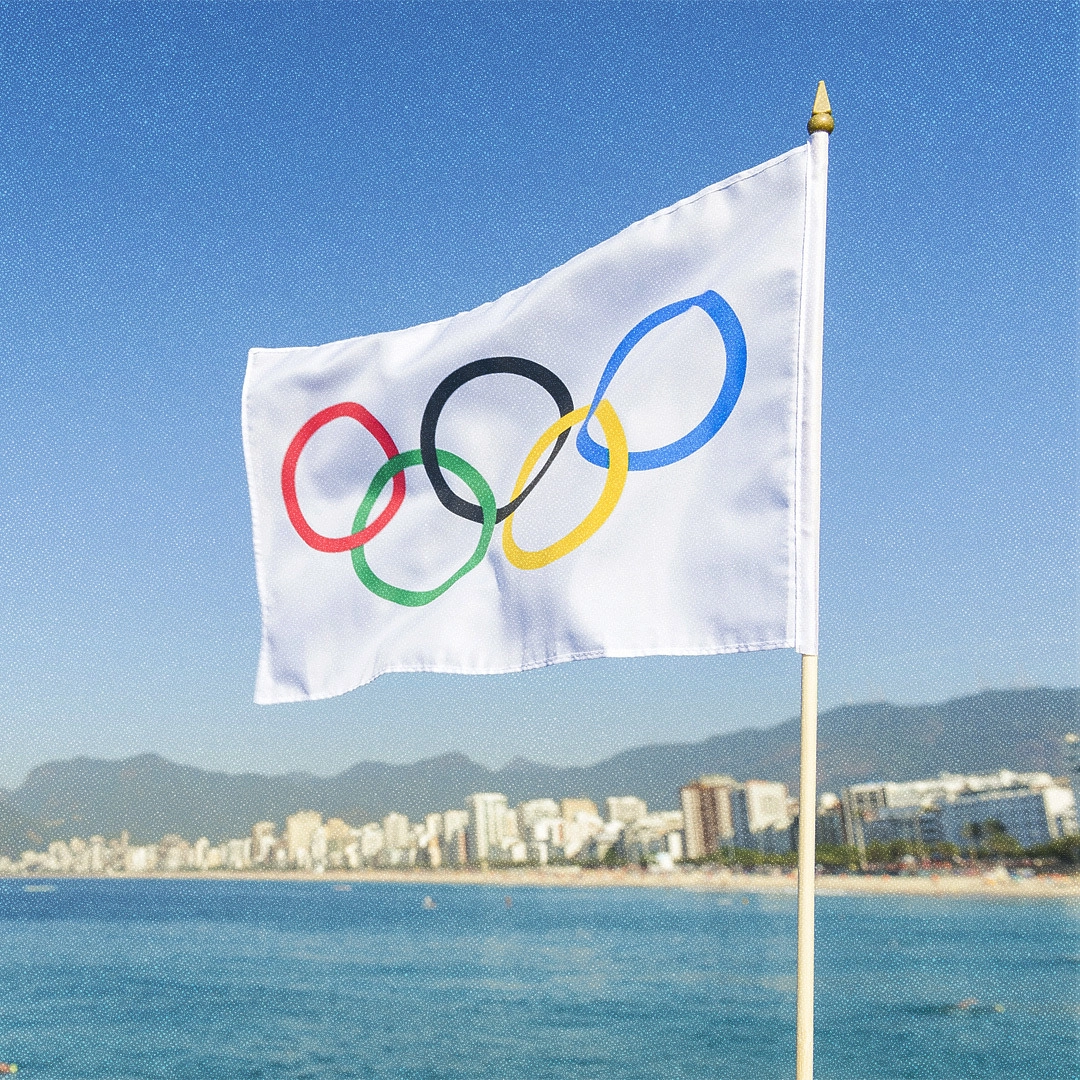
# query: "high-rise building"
x,y
652,835
626,808
830,821
430,851
1027,815
1072,755
371,841
529,813
759,817
454,822
80,855
546,836
694,818
579,831
1031,808
337,830
572,807
707,820
299,830
433,824
338,837
396,832
262,841
487,811
454,848
60,856
237,854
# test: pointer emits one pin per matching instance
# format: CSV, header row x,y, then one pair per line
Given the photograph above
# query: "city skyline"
x,y
1008,812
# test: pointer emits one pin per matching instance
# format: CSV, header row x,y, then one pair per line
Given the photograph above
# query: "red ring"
x,y
288,479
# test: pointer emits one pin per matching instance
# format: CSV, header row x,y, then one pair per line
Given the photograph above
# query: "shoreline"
x,y
991,884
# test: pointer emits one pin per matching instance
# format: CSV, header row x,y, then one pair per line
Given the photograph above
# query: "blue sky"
x,y
179,183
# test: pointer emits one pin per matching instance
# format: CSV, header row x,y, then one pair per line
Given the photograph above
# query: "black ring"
x,y
492,365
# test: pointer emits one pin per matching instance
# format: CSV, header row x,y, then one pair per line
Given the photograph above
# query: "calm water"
x,y
214,979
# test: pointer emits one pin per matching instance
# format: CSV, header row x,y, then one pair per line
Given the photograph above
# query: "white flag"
x,y
617,459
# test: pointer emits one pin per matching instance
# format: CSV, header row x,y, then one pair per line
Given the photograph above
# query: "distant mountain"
x,y
149,796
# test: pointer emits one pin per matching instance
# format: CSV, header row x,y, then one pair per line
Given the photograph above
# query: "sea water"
x,y
241,979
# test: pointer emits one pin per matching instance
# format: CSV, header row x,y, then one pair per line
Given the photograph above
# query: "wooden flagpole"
x,y
804,1008
819,127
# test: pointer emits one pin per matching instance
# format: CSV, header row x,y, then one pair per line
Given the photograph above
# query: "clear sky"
x,y
181,182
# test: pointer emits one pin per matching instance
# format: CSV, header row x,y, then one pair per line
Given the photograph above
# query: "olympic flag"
x,y
620,458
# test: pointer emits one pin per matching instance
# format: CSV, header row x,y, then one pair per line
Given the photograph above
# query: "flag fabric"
x,y
617,459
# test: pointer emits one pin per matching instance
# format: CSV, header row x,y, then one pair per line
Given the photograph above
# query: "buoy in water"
x,y
429,904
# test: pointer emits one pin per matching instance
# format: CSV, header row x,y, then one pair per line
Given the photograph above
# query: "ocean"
x,y
220,979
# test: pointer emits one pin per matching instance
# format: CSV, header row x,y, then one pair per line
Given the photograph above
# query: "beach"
x,y
984,883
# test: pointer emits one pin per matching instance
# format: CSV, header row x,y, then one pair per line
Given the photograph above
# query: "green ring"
x,y
478,485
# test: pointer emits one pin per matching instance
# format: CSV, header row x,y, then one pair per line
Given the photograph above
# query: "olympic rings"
x,y
394,468
288,479
507,365
727,322
613,487
616,457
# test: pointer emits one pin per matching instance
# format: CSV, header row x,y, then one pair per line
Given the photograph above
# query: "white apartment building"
x,y
319,848
545,836
549,830
654,834
80,855
98,854
885,810
625,808
396,832
60,858
603,841
238,854
141,859
299,830
534,810
578,832
454,822
947,787
487,822
370,841
263,840
766,805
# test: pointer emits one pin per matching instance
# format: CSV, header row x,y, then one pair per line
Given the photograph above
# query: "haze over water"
x,y
225,979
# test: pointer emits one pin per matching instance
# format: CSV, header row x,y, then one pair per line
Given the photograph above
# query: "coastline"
x,y
991,884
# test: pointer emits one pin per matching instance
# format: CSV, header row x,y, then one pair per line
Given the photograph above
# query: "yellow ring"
x,y
618,466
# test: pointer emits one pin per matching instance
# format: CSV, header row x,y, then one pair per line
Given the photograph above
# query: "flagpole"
x,y
819,128
804,1008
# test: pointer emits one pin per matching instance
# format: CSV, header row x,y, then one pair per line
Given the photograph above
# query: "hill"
x,y
150,796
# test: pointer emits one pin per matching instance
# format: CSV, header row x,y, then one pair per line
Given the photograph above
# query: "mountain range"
x,y
150,796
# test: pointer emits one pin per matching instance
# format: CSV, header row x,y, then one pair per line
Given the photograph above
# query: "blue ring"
x,y
727,322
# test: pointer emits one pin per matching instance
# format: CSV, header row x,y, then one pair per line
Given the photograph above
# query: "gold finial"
x,y
821,118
